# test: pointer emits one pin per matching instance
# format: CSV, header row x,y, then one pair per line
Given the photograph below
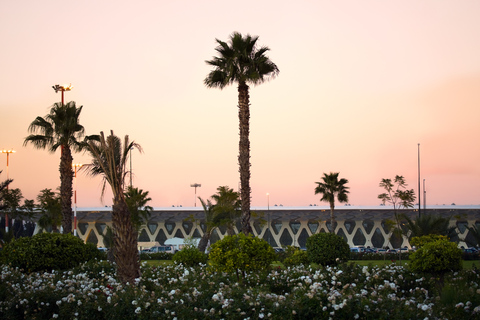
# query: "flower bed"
x,y
176,292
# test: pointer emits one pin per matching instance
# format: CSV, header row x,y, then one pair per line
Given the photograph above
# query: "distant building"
x,y
280,226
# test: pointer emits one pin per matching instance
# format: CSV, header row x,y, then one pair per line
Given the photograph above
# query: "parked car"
x,y
278,249
370,250
357,249
156,249
102,249
380,250
392,251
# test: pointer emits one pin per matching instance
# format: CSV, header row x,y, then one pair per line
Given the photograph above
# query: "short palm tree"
x,y
60,129
242,62
330,188
137,200
209,224
49,203
226,208
429,224
109,159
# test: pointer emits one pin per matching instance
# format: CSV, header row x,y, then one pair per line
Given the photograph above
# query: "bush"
x,y
327,249
240,254
436,257
296,258
420,241
48,251
190,256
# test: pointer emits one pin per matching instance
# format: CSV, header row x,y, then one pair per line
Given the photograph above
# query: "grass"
x,y
467,264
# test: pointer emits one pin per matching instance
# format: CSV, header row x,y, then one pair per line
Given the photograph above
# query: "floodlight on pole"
x,y
62,89
8,177
75,166
195,185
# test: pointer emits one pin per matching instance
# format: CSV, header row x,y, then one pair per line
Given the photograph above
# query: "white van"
x,y
157,249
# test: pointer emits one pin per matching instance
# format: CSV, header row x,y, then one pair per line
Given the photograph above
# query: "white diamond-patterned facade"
x,y
282,226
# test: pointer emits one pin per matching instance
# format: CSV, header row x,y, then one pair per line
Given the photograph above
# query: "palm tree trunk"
x,y
202,245
244,154
125,239
66,180
332,218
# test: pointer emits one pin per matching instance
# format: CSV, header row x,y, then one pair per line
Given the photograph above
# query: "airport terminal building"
x,y
360,225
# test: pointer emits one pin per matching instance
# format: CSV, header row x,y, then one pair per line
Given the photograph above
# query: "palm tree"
x,y
109,159
330,189
429,224
240,61
51,208
226,208
209,224
137,200
60,128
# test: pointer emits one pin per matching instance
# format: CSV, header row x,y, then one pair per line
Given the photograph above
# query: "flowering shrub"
x,y
48,251
348,291
327,249
240,254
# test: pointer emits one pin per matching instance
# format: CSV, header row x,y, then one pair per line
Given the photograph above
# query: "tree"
x,y
50,205
330,188
60,129
429,224
209,224
398,196
226,208
242,62
137,200
109,159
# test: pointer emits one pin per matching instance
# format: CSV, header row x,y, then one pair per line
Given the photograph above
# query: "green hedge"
x,y
48,251
327,249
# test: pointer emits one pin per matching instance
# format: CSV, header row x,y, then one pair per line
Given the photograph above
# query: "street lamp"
x,y
8,177
63,88
195,185
76,166
268,217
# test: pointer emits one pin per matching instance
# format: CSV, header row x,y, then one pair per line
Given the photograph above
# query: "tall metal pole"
x,y
419,201
268,218
195,185
424,197
8,177
76,165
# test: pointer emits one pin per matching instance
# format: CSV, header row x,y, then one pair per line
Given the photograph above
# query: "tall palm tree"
x,y
330,188
242,62
60,129
109,159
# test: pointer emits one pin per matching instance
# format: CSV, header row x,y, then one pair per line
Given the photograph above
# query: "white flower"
x,y
134,302
138,310
261,315
55,315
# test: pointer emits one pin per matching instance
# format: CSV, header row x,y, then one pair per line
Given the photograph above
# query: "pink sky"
x,y
361,84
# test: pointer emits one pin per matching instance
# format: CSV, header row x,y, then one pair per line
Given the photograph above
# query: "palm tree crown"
x,y
330,188
241,61
60,128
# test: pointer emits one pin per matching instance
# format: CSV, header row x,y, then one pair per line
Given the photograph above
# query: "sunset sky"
x,y
361,83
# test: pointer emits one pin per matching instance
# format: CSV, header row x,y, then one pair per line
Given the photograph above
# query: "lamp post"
x,y
419,202
62,89
268,217
76,166
8,177
195,185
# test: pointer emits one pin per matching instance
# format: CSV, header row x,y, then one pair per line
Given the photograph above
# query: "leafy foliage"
x,y
295,257
190,256
429,224
327,249
48,251
436,257
50,205
422,240
240,254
